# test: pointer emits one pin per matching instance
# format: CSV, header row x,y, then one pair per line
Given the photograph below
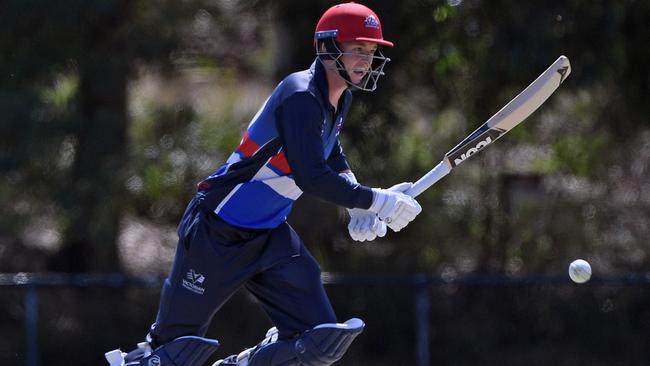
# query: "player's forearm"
x,y
333,188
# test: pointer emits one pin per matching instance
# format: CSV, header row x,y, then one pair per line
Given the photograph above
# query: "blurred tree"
x,y
70,147
67,67
112,110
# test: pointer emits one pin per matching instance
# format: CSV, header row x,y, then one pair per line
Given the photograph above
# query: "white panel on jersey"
x,y
234,158
285,186
265,173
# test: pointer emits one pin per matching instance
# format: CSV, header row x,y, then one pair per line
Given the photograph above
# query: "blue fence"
x,y
32,282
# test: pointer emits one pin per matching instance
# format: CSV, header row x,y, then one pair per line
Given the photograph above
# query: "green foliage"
x,y
116,109
578,155
145,98
65,83
60,96
162,174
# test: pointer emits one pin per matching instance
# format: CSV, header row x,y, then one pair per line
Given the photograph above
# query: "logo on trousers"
x,y
193,281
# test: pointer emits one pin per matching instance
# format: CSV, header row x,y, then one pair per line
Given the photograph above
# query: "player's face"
x,y
357,58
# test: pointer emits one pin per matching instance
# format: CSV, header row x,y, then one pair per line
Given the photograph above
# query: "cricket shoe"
x,y
185,350
119,358
243,358
235,360
228,361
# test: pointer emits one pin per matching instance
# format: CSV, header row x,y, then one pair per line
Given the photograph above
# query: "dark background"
x,y
111,111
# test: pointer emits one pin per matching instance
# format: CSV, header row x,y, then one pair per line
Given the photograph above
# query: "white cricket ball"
x,y
580,271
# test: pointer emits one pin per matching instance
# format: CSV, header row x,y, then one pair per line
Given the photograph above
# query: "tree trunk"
x,y
95,200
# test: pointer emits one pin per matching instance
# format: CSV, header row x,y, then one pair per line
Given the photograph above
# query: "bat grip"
x,y
429,179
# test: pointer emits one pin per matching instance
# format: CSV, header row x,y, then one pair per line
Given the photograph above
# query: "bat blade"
x,y
512,114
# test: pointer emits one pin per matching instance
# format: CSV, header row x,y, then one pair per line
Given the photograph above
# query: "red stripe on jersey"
x,y
248,147
280,162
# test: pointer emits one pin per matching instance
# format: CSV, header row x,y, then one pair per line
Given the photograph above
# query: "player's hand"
x,y
365,225
393,207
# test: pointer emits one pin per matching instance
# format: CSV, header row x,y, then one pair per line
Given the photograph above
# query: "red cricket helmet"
x,y
351,22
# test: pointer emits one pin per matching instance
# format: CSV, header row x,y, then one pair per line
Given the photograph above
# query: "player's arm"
x,y
364,225
299,120
337,160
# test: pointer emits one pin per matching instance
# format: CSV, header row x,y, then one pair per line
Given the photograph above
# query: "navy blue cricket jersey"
x,y
291,146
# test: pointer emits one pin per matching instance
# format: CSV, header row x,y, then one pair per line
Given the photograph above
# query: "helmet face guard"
x,y
333,52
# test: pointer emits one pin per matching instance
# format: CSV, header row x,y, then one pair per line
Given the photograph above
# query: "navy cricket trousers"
x,y
214,259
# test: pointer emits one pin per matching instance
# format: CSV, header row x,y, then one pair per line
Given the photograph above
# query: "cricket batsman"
x,y
234,231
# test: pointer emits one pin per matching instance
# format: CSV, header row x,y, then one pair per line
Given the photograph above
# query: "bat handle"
x,y
438,172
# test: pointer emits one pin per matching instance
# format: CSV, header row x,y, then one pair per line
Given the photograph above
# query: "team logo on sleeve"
x,y
371,22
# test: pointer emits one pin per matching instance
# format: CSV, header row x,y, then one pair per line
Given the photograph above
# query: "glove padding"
x,y
393,207
365,225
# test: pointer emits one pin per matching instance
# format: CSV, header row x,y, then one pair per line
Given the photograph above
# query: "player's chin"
x,y
357,76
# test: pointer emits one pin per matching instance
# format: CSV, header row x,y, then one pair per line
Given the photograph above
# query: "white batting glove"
x,y
364,225
393,207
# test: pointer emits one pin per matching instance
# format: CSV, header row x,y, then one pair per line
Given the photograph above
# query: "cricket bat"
x,y
512,114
